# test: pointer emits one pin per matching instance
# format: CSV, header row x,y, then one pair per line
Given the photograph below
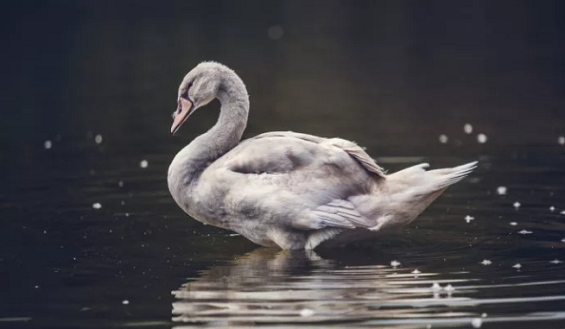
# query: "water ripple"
x,y
266,287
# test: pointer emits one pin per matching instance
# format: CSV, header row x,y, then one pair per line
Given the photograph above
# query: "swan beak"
x,y
184,110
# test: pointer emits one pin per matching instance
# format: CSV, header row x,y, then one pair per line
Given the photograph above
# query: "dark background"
x,y
390,75
411,68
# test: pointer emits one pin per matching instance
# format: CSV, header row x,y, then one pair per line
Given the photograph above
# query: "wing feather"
x,y
268,153
337,214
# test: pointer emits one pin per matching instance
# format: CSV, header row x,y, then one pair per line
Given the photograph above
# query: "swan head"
x,y
198,88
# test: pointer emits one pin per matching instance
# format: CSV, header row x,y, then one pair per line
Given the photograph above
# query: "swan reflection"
x,y
271,286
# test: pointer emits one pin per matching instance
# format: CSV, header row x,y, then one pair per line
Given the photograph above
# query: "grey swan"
x,y
287,189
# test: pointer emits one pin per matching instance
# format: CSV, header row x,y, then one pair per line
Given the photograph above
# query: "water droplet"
x,y
552,208
513,223
96,205
516,204
125,302
468,219
144,164
476,322
486,262
482,138
275,32
562,212
436,287
306,312
416,271
121,184
98,139
561,140
501,190
467,128
48,144
525,232
443,138
518,266
394,263
556,261
449,288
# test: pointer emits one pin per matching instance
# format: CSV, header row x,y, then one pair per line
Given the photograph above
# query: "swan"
x,y
287,189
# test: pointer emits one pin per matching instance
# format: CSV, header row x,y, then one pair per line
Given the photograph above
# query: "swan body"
x,y
288,189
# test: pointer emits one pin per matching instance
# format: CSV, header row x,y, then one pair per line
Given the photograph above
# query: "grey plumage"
x,y
289,189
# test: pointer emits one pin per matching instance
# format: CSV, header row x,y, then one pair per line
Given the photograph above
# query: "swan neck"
x,y
229,128
192,160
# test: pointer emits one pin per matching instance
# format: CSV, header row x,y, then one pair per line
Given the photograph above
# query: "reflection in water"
x,y
269,286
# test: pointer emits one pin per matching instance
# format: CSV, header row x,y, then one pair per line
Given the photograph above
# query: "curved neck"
x,y
229,128
191,161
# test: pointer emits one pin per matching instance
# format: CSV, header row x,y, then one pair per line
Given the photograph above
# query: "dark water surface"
x,y
90,238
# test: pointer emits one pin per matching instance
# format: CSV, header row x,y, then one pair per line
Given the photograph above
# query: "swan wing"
x,y
337,213
303,181
277,152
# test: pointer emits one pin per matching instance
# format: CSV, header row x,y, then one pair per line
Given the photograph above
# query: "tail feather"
x,y
448,176
417,187
416,178
410,191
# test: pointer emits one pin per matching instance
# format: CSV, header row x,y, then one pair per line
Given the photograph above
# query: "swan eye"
x,y
185,94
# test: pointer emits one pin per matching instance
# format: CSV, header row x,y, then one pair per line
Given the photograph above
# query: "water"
x,y
90,237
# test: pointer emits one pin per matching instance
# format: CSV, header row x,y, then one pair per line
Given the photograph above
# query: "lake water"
x,y
91,238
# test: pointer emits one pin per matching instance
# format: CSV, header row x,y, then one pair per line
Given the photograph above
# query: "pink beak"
x,y
184,110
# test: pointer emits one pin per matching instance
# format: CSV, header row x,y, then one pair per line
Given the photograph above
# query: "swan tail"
x,y
422,181
442,178
413,189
